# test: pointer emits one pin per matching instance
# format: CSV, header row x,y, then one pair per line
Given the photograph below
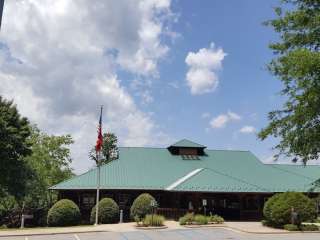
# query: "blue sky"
x,y
164,70
245,86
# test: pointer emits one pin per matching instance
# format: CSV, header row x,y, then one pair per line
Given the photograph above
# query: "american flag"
x,y
100,138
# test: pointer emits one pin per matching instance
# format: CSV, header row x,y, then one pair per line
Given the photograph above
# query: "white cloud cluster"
x,y
59,61
203,66
248,129
222,120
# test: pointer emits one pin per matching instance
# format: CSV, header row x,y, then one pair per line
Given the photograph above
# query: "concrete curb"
x,y
79,231
245,231
49,233
150,228
267,233
206,225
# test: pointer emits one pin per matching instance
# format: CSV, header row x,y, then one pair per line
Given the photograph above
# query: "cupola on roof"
x,y
187,144
186,147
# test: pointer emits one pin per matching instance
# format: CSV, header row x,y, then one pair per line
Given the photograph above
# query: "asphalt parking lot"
x,y
181,234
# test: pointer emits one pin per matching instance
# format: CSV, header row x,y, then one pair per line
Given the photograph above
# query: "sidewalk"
x,y
254,227
247,227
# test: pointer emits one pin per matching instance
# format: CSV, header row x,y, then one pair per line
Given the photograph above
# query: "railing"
x,y
172,213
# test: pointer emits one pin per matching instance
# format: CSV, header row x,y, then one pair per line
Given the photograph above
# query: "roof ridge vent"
x,y
183,179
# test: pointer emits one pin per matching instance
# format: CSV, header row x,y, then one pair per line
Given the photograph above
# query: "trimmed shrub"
x,y
186,219
309,227
64,213
200,219
141,206
154,220
215,219
277,210
291,227
108,211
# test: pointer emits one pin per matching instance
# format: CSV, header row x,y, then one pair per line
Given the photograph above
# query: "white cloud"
x,y
222,120
248,129
203,66
233,116
59,60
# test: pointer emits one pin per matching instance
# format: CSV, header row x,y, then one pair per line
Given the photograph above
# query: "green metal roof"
x,y
187,143
216,171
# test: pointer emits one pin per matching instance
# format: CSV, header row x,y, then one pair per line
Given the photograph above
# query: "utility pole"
x,y
1,10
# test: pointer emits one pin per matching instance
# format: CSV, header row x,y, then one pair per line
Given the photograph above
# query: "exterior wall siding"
x,y
231,206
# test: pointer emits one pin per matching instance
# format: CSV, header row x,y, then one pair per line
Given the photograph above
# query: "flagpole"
x,y
1,10
98,189
98,156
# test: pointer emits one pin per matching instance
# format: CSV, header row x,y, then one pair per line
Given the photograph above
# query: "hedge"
x,y
108,211
64,213
277,210
141,206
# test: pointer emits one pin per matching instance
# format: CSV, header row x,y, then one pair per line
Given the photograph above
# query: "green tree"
x,y
50,163
109,149
297,65
14,132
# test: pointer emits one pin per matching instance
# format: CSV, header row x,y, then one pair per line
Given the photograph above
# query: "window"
x,y
124,200
234,205
251,203
88,200
188,151
190,157
223,203
213,203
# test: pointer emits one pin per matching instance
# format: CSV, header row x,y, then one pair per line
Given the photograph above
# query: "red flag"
x,y
100,138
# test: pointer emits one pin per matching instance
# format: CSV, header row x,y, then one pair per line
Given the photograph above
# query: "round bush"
x,y
141,206
108,211
64,213
277,210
